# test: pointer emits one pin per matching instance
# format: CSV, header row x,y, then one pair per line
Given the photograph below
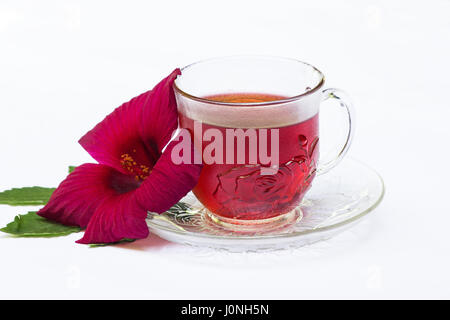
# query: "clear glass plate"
x,y
336,201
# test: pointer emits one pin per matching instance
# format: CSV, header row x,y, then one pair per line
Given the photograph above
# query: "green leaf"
x,y
28,196
177,208
71,168
32,225
96,245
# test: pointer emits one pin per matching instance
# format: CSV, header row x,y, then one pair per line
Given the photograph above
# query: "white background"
x,y
64,65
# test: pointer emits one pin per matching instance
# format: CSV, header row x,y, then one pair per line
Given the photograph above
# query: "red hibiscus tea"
x,y
265,99
241,190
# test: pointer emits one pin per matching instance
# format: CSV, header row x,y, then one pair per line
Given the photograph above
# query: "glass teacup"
x,y
256,122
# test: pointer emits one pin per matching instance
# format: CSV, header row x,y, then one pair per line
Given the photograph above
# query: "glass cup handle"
x,y
345,102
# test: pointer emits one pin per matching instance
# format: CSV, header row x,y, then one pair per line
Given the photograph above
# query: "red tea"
x,y
240,190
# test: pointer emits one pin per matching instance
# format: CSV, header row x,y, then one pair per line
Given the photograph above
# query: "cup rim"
x,y
250,104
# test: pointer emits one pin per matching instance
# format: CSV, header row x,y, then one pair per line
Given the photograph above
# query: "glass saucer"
x,y
337,200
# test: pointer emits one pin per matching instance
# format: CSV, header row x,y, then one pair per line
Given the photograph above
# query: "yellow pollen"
x,y
140,172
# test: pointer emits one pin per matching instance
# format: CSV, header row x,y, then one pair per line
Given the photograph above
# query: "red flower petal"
x,y
78,196
118,136
168,182
116,219
159,116
123,216
131,138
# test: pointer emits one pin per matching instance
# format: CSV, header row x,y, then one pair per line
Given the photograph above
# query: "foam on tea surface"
x,y
244,97
250,110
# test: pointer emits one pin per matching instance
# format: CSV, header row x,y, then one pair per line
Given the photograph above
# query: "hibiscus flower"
x,y
134,174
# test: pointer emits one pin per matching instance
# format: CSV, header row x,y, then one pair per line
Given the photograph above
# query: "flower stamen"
x,y
140,171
